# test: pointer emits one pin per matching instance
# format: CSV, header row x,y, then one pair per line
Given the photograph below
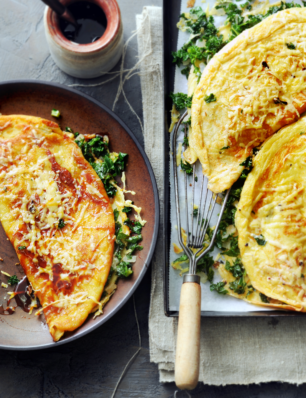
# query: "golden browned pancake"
x,y
271,218
255,85
55,211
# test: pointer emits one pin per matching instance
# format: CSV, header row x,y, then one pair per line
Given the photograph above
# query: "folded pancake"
x,y
254,86
55,212
271,218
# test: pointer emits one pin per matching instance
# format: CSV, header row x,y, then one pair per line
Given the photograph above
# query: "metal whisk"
x,y
188,339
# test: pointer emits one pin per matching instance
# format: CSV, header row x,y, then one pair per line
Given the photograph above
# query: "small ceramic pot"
x,y
86,60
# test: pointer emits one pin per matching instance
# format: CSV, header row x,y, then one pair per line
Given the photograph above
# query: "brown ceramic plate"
x,y
21,331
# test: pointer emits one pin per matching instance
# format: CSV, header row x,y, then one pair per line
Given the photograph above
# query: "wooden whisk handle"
x,y
188,336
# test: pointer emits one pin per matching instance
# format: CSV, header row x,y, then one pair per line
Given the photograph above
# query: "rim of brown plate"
x,y
147,261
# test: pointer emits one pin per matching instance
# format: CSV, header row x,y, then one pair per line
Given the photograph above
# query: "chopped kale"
x,y
61,223
123,269
21,247
290,46
264,298
238,286
68,129
248,166
210,98
186,141
219,288
225,147
181,101
13,280
186,167
236,269
260,239
181,259
127,209
134,226
205,265
233,251
116,214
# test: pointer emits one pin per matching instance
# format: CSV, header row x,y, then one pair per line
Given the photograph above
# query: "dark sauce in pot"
x,y
91,20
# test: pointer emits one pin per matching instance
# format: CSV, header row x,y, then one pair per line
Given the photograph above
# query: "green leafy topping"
x,y
181,101
219,288
250,290
68,129
225,147
195,212
181,259
236,269
210,98
301,133
186,141
116,214
186,167
134,226
238,286
124,269
21,247
264,298
55,113
291,46
205,264
233,251
61,223
260,239
127,209
13,280
248,166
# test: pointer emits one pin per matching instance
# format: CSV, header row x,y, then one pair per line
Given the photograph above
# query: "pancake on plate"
x,y
254,86
55,212
271,218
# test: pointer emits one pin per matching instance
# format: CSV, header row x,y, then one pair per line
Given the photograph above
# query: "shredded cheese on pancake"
x,y
56,213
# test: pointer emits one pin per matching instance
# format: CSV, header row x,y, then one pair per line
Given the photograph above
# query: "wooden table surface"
x,y
91,366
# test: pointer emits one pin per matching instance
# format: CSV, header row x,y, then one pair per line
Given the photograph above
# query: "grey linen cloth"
x,y
233,350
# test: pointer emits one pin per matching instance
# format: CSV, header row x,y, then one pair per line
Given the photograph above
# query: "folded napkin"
x,y
233,350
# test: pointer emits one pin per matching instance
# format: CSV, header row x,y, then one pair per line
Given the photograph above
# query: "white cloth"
x,y
233,350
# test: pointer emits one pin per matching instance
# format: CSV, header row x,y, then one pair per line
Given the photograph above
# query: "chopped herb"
x,y
290,46
264,298
233,251
116,214
260,239
225,147
236,269
186,167
181,259
21,247
301,133
123,269
134,226
69,130
181,101
186,141
210,98
238,286
127,209
55,113
61,223
205,265
195,212
219,288
13,280
250,290
248,166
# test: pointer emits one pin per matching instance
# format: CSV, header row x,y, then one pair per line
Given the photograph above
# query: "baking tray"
x,y
82,113
171,13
